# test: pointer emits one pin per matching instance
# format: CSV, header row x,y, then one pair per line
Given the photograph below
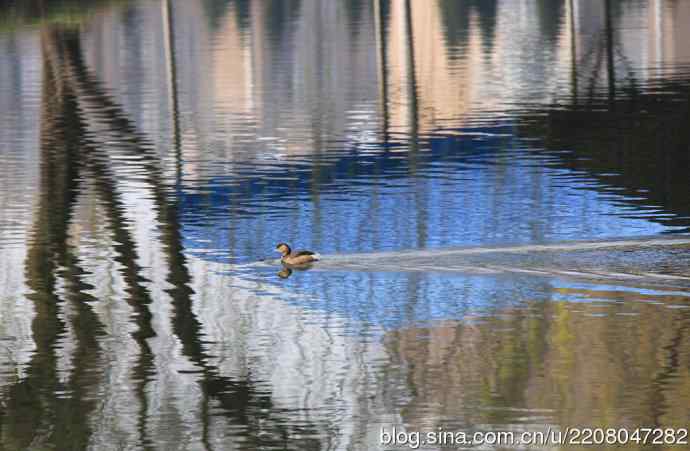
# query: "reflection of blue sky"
x,y
373,301
605,289
459,190
392,300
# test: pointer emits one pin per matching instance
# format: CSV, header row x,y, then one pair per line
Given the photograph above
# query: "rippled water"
x,y
498,190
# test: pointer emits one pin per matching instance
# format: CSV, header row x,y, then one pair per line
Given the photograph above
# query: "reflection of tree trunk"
x,y
71,431
411,84
611,73
573,52
169,24
414,120
592,94
30,406
383,62
138,296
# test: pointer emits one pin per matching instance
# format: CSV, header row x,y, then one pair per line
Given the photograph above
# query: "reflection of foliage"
x,y
217,9
14,14
585,362
280,15
550,18
456,20
355,12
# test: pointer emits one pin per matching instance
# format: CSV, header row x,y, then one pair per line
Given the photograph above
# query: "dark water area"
x,y
498,190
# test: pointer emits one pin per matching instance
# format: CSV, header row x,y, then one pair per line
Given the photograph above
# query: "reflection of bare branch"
x,y
382,43
594,74
611,70
603,44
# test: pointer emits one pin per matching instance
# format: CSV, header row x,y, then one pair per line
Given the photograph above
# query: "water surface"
x,y
498,190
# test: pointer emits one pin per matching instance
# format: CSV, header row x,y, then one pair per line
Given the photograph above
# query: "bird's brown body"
x,y
295,258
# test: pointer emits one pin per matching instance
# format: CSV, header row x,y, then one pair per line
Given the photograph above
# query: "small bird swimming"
x,y
291,257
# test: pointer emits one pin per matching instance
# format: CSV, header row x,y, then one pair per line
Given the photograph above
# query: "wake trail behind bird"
x,y
652,260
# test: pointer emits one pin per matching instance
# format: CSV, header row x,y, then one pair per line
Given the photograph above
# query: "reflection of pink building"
x,y
669,31
442,85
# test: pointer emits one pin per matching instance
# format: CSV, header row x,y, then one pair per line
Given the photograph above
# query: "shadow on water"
x,y
629,135
42,408
637,144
